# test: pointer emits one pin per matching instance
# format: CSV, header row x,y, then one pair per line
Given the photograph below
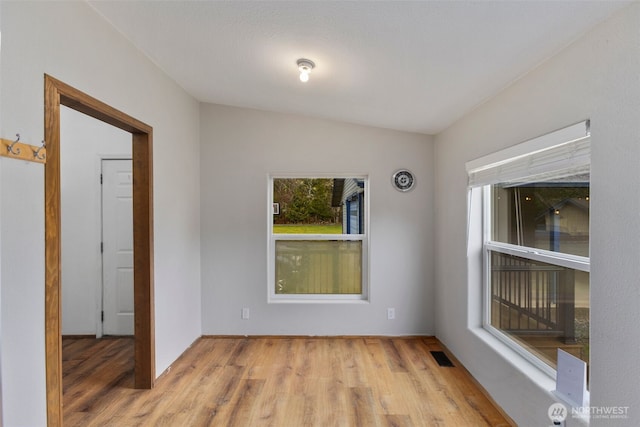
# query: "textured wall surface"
x,y
240,148
69,41
596,78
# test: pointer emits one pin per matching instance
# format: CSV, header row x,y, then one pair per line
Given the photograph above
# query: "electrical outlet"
x,y
391,313
245,313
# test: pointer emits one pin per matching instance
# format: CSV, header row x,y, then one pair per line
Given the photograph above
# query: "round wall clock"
x,y
403,180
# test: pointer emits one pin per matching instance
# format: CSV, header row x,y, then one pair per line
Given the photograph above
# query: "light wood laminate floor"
x,y
275,381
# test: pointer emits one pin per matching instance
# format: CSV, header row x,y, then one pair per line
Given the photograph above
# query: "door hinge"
x,y
100,178
102,316
101,247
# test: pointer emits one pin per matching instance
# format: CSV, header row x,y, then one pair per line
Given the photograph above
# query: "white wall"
x,y
22,291
240,147
84,142
597,78
69,41
1,133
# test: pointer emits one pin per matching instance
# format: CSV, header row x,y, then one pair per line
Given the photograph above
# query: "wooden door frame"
x,y
57,93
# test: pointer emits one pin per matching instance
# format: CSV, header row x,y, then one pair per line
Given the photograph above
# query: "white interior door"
x,y
117,247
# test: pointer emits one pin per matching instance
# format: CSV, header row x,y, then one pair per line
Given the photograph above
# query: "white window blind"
x,y
566,152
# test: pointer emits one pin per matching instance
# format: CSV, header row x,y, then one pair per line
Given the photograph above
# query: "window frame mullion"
x,y
574,262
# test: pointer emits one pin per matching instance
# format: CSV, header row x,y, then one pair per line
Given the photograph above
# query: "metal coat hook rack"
x,y
10,147
17,150
37,154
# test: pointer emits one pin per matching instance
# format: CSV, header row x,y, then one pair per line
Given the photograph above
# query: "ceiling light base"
x,y
305,66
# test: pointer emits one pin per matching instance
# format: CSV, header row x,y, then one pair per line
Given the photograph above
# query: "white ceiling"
x,y
416,66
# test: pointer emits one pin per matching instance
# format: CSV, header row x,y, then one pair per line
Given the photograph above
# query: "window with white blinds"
x,y
535,243
566,152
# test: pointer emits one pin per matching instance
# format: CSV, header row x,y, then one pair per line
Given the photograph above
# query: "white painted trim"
x,y
316,299
486,261
574,262
543,378
521,350
275,175
342,237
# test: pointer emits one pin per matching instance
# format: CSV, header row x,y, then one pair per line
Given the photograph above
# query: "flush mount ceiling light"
x,y
305,66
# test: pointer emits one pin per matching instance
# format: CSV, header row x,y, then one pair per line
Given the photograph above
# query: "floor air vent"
x,y
442,358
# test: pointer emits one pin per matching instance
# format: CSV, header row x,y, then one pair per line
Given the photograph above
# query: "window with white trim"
x,y
535,228
318,239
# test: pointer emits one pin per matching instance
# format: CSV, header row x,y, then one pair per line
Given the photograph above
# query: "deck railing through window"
x,y
318,267
532,298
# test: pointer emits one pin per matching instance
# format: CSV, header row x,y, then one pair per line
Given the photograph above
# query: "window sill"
x,y
536,375
303,299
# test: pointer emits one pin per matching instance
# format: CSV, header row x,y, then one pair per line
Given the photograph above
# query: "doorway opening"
x,y
56,94
87,147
